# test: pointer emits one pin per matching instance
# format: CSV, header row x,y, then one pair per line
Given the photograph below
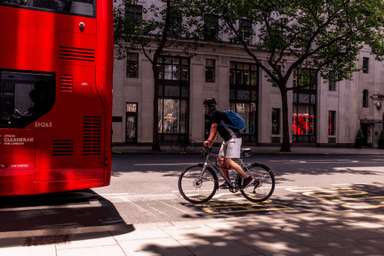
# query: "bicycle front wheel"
x,y
177,146
197,186
263,184
191,146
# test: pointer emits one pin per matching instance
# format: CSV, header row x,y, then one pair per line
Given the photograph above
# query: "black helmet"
x,y
210,102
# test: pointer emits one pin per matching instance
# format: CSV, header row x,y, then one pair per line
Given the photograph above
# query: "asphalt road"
x,y
144,190
144,187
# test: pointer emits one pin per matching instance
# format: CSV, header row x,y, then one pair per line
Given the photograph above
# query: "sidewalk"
x,y
341,233
257,150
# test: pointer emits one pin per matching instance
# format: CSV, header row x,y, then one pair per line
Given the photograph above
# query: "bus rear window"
x,y
76,7
24,97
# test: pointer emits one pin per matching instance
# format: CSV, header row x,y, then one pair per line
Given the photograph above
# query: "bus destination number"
x,y
43,124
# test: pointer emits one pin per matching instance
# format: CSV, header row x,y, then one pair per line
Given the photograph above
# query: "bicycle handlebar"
x,y
206,150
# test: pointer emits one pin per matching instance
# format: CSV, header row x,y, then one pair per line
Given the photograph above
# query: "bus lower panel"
x,y
66,185
16,182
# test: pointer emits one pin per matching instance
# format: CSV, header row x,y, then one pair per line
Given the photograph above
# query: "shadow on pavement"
x,y
339,221
57,218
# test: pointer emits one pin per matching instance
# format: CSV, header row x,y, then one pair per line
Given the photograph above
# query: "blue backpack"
x,y
236,119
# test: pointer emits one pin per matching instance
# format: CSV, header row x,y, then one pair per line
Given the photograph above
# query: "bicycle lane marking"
x,y
340,195
227,205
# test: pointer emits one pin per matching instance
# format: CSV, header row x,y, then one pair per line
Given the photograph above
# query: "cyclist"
x,y
230,148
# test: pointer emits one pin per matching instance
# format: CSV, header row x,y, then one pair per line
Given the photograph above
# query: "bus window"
x,y
24,97
78,7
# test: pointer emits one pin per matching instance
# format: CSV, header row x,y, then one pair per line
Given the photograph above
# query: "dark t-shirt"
x,y
217,117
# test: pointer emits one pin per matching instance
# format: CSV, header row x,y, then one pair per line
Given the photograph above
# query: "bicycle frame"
x,y
208,162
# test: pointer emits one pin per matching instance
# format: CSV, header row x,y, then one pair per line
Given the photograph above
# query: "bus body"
x,y
56,64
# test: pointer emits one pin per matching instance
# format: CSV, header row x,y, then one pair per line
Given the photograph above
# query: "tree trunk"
x,y
285,147
155,133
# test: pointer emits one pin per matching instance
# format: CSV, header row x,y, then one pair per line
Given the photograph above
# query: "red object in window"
x,y
67,147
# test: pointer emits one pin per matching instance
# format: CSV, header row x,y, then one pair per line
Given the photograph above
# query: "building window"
x,y
135,12
131,123
209,71
173,97
246,30
175,26
366,65
332,123
211,27
304,107
243,95
365,98
275,121
274,72
133,65
332,86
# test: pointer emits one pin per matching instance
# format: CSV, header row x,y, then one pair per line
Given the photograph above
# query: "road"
x,y
144,190
144,187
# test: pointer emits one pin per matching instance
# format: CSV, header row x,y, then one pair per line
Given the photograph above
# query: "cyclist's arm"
x,y
212,136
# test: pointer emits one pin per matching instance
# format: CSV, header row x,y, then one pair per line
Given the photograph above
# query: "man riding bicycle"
x,y
230,148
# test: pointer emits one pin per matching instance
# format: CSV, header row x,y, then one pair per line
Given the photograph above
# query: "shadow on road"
x,y
337,221
55,218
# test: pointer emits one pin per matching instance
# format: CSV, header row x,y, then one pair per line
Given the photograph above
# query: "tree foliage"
x,y
165,23
324,36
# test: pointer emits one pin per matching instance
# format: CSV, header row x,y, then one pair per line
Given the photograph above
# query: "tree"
x,y
323,37
163,29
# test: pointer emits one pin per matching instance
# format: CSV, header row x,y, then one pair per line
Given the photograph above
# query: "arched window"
x,y
365,98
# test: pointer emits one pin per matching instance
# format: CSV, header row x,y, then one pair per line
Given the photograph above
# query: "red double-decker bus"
x,y
56,64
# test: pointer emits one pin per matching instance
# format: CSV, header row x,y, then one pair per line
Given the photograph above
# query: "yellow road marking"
x,y
223,206
345,194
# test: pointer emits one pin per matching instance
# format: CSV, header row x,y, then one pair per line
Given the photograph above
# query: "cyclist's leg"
x,y
236,166
221,160
233,147
224,166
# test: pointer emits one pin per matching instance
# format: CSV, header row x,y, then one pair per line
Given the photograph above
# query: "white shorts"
x,y
231,148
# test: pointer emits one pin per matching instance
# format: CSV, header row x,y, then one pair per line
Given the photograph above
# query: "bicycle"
x,y
183,144
199,183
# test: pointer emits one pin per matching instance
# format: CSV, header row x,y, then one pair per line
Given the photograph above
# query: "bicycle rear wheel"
x,y
263,184
191,146
177,146
197,187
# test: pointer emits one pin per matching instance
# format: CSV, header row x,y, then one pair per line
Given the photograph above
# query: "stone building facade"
x,y
324,115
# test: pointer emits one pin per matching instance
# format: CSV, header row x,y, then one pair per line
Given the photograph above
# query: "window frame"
x,y
278,116
211,27
134,12
246,28
244,81
332,113
178,84
210,70
365,98
129,61
365,65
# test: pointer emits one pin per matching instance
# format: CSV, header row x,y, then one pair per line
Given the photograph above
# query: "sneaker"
x,y
224,185
247,181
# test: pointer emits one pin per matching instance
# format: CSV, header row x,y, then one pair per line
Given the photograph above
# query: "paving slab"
x,y
271,243
223,246
191,231
88,240
152,247
376,242
46,250
152,232
354,233
114,250
355,249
